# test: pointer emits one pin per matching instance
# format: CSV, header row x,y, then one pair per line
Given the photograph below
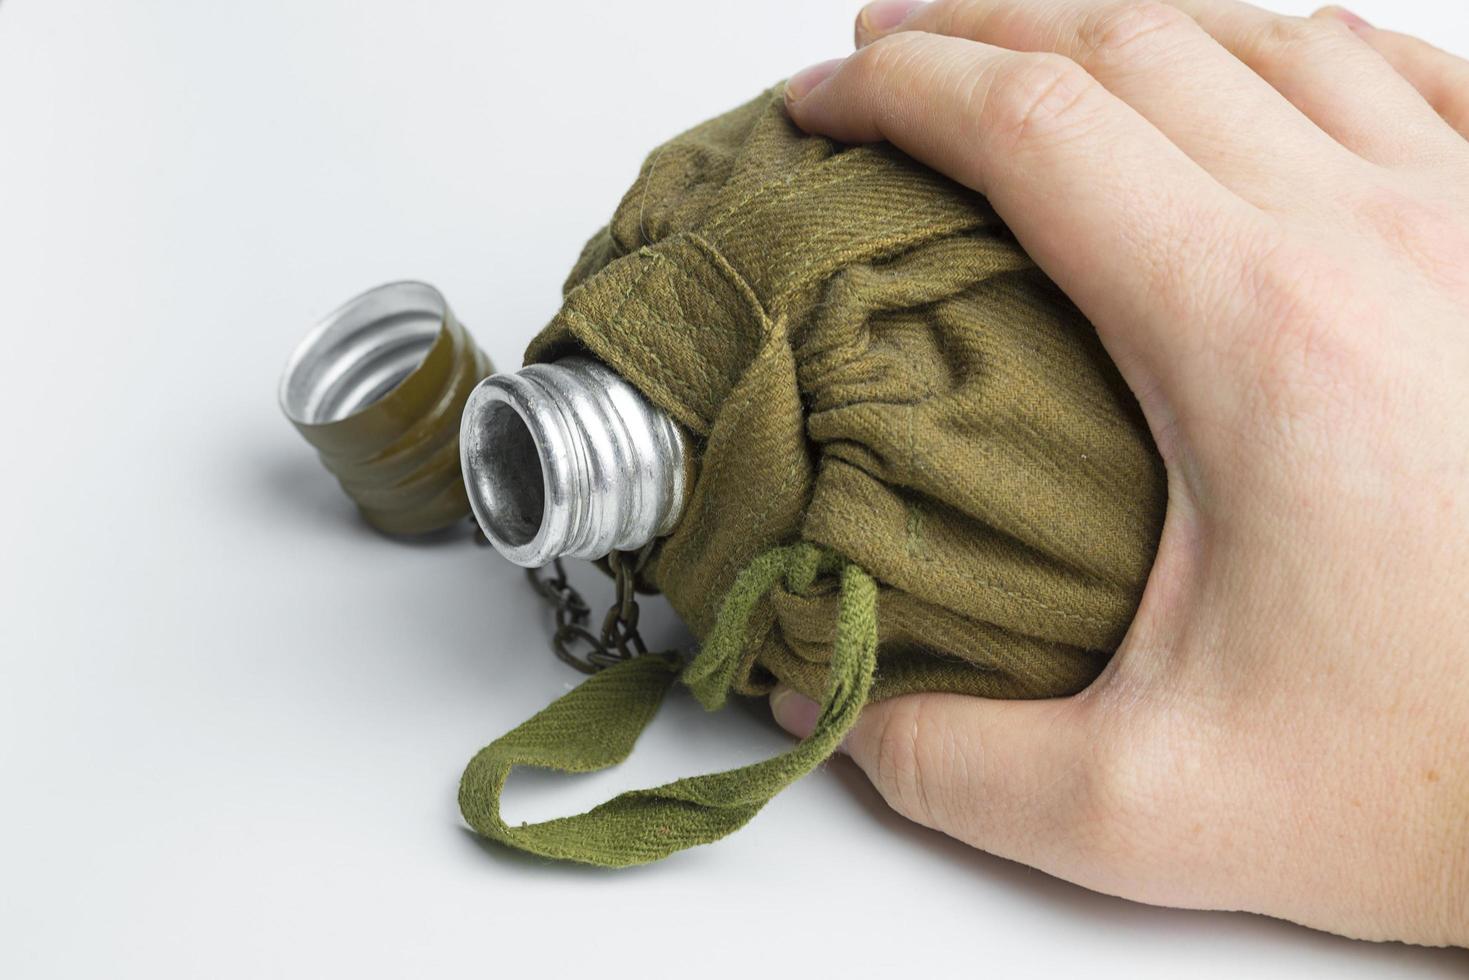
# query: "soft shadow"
x,y
509,859
297,484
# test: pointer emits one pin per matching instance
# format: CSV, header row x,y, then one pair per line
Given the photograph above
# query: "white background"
x,y
232,719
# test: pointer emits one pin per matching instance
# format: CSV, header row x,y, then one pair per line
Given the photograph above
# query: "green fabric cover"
x,y
869,362
596,725
918,470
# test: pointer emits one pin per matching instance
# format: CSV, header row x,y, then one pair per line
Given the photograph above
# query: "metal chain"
x,y
619,640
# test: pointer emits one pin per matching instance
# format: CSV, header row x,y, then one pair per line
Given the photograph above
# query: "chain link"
x,y
619,639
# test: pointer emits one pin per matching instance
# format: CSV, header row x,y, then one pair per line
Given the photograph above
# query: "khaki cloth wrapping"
x,y
918,468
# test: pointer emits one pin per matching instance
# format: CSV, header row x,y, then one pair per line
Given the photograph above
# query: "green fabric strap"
x,y
596,725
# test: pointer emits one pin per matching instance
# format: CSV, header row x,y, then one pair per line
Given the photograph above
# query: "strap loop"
x,y
596,725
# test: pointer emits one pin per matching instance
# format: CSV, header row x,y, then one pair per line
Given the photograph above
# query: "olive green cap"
x,y
377,388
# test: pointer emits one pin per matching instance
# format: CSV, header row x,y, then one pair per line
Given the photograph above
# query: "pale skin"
x,y
1267,220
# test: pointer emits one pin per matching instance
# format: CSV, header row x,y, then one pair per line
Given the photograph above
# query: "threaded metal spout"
x,y
568,460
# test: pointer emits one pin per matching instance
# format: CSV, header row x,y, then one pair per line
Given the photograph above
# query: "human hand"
x,y
1267,220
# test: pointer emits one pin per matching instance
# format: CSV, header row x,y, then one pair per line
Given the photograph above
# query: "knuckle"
x,y
958,18
893,56
1034,97
1447,90
949,17
1311,350
1294,286
1276,41
1429,234
1115,33
905,765
1108,791
1299,33
1129,802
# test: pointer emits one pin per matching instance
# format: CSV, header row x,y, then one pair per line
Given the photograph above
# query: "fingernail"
x,y
793,711
799,85
884,15
1348,18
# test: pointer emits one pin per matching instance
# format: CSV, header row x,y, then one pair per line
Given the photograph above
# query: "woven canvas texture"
x,y
868,362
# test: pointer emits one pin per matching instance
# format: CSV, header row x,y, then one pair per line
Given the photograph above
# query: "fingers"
x,y
1157,57
1159,61
1008,777
1331,77
1441,78
1135,232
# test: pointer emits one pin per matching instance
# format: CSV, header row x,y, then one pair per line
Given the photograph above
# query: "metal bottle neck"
x,y
568,460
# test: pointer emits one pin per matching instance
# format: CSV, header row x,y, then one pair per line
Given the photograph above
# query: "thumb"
x,y
1008,777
